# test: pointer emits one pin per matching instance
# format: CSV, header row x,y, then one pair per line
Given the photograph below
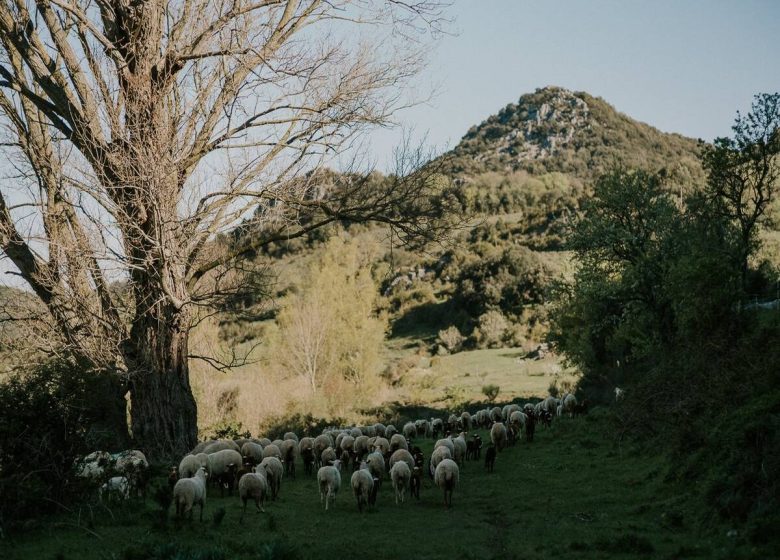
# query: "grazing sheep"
x,y
290,435
376,465
253,450
191,463
264,441
446,442
223,464
118,486
410,431
329,482
452,423
400,474
363,486
495,414
347,444
289,451
528,408
569,404
274,472
306,449
220,445
498,435
545,417
201,446
550,404
465,421
390,431
490,457
401,455
459,444
380,428
321,443
361,448
423,428
227,479
190,492
381,444
328,456
272,450
253,486
517,419
437,427
398,442
369,431
356,432
446,478
438,455
509,410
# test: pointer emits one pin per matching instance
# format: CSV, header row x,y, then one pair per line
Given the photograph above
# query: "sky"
x,y
682,66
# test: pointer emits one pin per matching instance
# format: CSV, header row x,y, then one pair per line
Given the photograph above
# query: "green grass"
x,y
573,493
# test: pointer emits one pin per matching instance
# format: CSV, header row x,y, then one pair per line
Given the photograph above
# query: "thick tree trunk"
x,y
163,409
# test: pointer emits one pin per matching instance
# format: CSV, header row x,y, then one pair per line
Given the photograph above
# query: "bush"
x,y
491,329
451,339
48,417
491,391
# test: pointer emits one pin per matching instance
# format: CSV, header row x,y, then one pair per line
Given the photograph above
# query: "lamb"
x,y
191,463
290,435
329,482
328,456
465,420
190,492
289,451
498,435
400,474
490,457
227,479
398,442
446,478
363,486
272,450
253,450
474,447
401,455
253,486
415,483
410,431
274,472
220,465
118,486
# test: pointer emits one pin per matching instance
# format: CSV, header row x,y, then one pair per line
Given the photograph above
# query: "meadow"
x,y
575,492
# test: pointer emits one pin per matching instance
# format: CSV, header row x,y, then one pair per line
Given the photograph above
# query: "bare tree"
x,y
140,130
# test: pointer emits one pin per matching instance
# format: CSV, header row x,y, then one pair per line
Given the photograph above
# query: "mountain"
x,y
557,130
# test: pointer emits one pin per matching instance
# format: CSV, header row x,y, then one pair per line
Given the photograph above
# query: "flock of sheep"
x,y
372,453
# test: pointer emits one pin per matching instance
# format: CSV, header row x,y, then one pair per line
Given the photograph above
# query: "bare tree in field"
x,y
137,131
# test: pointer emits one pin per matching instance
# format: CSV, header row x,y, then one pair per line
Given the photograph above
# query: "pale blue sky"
x,y
682,66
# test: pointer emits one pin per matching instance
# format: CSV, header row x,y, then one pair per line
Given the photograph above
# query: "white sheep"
x,y
329,482
321,443
517,419
410,431
133,465
361,447
347,444
264,441
220,461
381,444
190,492
252,450
289,451
290,435
401,455
465,420
272,450
274,472
446,477
94,466
446,442
356,432
438,455
328,456
398,442
201,446
495,414
509,410
437,426
390,431
569,404
400,474
376,464
460,447
219,445
253,486
498,435
362,483
118,486
380,428
191,463
619,393
423,427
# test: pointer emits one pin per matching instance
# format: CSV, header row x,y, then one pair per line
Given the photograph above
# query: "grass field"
x,y
572,493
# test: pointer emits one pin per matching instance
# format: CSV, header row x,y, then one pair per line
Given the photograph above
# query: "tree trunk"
x,y
163,410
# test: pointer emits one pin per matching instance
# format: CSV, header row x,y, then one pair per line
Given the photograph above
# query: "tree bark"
x,y
164,412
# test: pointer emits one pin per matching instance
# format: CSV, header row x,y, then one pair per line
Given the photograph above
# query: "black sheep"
x,y
490,457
